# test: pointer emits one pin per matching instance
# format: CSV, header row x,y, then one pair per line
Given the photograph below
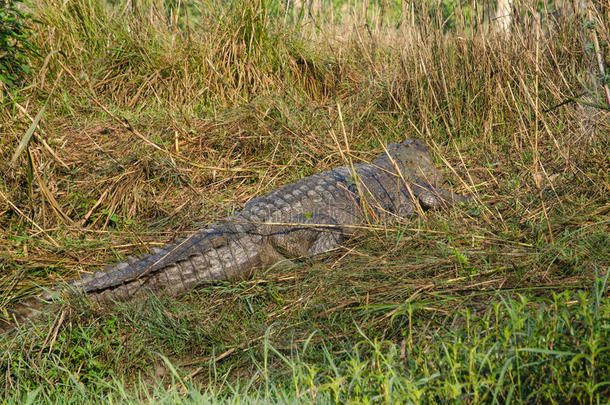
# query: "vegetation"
x,y
14,44
144,120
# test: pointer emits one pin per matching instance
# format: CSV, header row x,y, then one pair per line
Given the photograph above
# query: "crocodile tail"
x,y
223,251
134,267
220,252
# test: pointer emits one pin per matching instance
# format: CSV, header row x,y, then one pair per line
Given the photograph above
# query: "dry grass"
x,y
157,123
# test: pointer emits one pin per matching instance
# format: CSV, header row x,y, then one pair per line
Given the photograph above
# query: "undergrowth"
x,y
532,350
145,120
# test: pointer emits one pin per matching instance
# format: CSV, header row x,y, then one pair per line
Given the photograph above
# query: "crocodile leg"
x,y
307,235
435,197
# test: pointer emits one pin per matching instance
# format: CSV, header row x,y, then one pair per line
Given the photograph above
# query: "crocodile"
x,y
306,218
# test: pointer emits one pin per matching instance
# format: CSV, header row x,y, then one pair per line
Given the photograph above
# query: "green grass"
x,y
523,349
161,118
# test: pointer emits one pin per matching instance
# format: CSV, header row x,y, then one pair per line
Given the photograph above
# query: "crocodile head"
x,y
414,161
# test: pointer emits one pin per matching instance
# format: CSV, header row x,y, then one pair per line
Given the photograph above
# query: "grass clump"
x,y
147,120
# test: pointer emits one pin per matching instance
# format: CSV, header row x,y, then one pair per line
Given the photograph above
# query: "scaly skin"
x,y
306,218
